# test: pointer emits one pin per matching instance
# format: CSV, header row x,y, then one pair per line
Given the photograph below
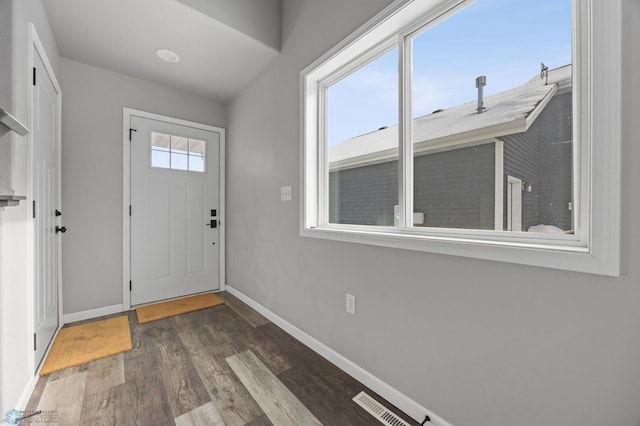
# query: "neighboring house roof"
x,y
508,112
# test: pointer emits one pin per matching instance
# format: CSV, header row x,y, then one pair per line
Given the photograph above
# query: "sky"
x,y
504,40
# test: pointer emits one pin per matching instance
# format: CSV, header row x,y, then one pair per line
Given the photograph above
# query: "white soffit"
x,y
217,61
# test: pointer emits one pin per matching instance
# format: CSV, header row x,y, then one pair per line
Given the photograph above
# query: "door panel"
x,y
195,236
174,186
45,196
160,243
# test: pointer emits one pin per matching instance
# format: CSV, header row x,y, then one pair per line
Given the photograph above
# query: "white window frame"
x,y
597,57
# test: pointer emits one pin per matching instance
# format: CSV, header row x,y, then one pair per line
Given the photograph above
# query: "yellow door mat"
x,y
176,307
88,342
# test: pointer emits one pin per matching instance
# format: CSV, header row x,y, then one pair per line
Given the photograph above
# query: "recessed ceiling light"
x,y
167,55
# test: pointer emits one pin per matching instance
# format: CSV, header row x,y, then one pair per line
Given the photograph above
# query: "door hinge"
x,y
130,210
34,209
35,342
130,285
34,76
131,130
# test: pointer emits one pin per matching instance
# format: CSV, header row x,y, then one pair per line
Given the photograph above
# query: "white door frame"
x,y
127,113
35,47
499,187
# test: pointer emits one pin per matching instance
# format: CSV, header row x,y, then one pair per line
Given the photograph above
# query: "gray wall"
x,y
14,19
92,104
477,342
259,19
6,99
15,298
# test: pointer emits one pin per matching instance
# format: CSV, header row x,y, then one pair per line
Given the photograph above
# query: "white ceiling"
x,y
217,60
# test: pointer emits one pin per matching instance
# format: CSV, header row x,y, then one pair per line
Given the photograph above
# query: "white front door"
x,y
175,210
45,208
514,204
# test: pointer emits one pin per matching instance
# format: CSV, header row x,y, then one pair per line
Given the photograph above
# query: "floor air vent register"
x,y
378,410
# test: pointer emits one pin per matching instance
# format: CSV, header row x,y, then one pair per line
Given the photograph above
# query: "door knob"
x,y
62,229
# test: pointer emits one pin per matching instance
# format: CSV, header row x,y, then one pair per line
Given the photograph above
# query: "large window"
x,y
469,128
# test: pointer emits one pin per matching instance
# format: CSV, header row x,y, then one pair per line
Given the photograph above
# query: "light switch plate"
x,y
351,304
285,193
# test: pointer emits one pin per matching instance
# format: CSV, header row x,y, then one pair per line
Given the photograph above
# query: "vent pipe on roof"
x,y
544,73
480,83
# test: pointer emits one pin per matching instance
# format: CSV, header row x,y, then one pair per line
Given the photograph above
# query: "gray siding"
x,y
521,161
543,156
556,163
453,189
364,195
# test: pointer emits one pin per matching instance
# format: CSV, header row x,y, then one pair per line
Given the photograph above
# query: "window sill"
x,y
568,255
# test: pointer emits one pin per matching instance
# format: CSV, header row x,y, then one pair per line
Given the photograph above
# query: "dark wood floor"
x,y
223,365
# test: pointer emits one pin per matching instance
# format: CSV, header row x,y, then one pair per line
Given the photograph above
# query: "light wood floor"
x,y
226,365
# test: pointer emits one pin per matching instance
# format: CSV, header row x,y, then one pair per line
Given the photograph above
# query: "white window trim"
x,y
597,97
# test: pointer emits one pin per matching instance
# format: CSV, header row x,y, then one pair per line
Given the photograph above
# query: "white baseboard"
x,y
91,313
26,394
395,397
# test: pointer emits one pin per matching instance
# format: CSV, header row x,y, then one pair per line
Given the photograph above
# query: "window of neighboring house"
x,y
469,128
177,152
